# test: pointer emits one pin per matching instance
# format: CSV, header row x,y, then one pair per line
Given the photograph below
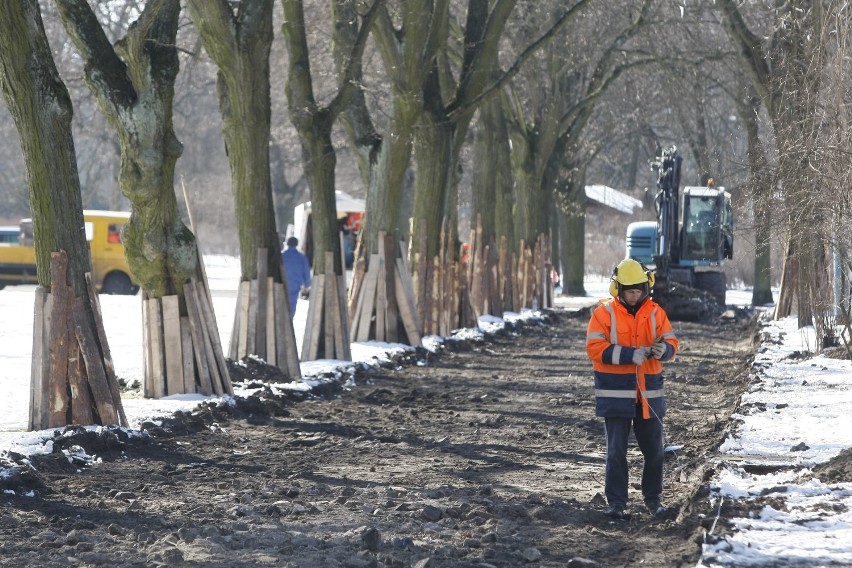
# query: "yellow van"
x,y
103,231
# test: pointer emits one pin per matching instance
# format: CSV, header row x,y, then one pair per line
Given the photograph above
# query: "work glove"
x,y
658,350
639,356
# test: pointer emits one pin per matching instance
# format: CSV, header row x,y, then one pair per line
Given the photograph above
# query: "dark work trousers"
x,y
649,436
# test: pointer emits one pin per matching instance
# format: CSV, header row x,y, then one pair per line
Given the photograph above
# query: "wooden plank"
x,y
148,383
505,274
251,338
311,342
392,311
496,286
424,286
109,366
245,296
212,333
354,297
356,303
157,370
199,348
471,244
408,290
291,350
82,410
447,289
288,359
381,303
260,317
346,353
234,341
309,321
97,380
369,293
216,383
186,352
39,377
516,289
329,307
271,351
406,311
59,341
172,345
435,299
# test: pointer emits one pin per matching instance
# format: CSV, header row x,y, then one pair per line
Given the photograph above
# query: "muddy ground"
x,y
485,454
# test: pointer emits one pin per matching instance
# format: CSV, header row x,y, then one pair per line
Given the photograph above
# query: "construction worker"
x,y
627,339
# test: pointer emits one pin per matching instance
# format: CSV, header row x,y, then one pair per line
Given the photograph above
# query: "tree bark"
x,y
240,45
492,174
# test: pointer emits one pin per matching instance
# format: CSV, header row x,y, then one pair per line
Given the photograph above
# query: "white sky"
x,y
806,401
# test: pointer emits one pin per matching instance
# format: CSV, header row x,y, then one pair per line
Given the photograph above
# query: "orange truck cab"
x,y
103,231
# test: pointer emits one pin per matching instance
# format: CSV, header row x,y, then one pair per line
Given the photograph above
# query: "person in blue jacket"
x,y
297,270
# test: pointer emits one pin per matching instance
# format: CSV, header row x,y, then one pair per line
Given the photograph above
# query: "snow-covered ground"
x,y
807,418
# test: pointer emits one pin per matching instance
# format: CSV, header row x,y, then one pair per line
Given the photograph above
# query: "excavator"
x,y
687,244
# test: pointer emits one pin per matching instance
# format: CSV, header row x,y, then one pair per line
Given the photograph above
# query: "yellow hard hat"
x,y
630,272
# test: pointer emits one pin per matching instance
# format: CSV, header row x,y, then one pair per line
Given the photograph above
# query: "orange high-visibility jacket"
x,y
612,337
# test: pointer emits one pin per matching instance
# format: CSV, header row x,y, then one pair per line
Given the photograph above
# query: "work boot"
x,y
657,510
616,511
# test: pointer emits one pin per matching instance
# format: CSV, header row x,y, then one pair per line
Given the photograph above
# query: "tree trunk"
x,y
134,85
492,174
760,182
72,378
433,153
314,125
136,94
240,44
786,73
574,245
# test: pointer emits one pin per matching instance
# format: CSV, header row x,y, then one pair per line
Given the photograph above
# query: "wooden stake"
x,y
310,346
59,340
79,397
188,356
329,306
109,366
198,346
392,310
97,379
157,368
209,318
260,321
271,351
40,377
172,345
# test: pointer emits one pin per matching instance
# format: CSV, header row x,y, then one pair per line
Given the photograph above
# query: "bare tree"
x,y
314,124
786,71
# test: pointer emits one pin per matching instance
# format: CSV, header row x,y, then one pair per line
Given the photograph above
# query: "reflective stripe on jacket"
x,y
613,335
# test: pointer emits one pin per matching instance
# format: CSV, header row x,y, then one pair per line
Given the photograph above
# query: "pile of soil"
x,y
485,454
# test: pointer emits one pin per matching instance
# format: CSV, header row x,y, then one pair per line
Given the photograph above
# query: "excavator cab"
x,y
707,231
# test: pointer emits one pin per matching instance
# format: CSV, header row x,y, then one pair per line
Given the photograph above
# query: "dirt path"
x,y
486,455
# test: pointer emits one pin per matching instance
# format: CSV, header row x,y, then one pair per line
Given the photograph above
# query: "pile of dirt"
x,y
838,470
485,454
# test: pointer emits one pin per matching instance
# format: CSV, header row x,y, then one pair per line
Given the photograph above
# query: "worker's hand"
x,y
658,350
639,356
